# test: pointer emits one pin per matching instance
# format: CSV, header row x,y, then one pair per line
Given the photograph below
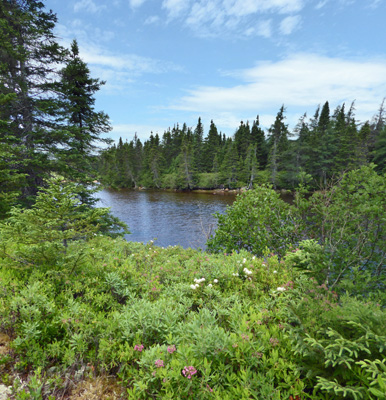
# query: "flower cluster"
x,y
172,349
138,347
198,281
188,372
247,271
280,289
159,363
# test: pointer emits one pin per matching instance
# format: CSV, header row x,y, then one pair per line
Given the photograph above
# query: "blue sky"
x,y
171,61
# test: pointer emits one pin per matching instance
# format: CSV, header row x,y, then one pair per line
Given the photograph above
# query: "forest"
x,y
288,302
318,149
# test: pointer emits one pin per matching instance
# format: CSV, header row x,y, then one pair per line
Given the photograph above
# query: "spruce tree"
x,y
83,126
51,124
29,58
211,146
258,139
278,144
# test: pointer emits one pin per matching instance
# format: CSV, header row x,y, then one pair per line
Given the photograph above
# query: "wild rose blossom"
x,y
159,363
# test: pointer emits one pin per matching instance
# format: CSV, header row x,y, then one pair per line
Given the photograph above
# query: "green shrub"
x,y
257,221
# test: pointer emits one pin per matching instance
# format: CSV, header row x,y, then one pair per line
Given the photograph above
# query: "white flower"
x,y
275,272
247,271
280,289
253,257
196,280
244,260
210,285
215,280
193,287
235,274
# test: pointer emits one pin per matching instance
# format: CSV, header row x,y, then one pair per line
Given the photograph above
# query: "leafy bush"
x,y
257,221
340,232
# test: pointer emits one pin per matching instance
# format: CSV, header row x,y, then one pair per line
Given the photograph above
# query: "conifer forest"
x,y
316,150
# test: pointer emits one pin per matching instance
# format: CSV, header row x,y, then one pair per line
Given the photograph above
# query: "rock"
x,y
5,392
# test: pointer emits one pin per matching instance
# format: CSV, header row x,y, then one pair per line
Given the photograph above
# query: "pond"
x,y
168,218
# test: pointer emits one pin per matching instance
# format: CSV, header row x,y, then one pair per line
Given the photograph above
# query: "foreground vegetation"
x,y
79,306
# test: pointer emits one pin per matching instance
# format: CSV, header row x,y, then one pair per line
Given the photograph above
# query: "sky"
x,y
173,61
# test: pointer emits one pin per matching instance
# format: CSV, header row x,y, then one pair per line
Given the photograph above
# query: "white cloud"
x,y
300,81
152,20
375,3
175,8
289,24
221,17
136,3
321,4
89,6
246,7
119,70
264,28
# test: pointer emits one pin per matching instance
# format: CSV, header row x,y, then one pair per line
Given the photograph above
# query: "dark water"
x,y
168,218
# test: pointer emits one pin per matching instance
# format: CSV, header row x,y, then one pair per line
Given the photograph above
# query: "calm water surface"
x,y
169,218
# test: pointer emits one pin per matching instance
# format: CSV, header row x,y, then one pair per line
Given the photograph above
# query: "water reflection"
x,y
172,218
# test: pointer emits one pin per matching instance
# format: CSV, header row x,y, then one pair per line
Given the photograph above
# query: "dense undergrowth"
x,y
135,321
174,323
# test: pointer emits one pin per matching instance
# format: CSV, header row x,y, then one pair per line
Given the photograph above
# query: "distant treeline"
x,y
318,149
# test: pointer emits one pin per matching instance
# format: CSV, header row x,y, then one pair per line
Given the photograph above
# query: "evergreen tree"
x,y
258,139
83,125
278,144
198,138
186,175
52,126
379,152
251,165
212,143
324,119
29,57
242,139
229,168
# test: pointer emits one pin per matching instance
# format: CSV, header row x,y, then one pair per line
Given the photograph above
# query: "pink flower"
x,y
139,347
159,363
172,349
188,372
209,388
